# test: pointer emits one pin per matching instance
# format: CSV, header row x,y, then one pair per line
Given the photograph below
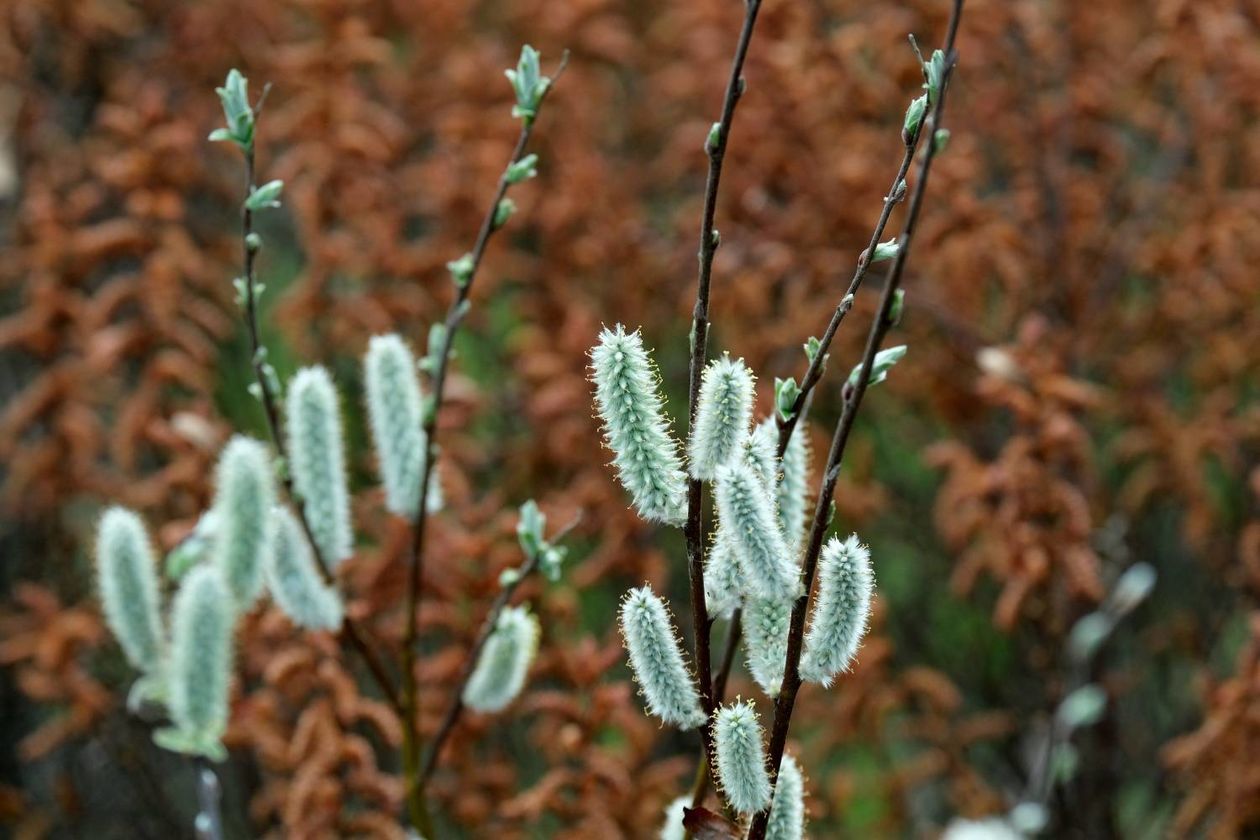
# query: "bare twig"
x,y
456,706
715,147
209,821
415,574
882,322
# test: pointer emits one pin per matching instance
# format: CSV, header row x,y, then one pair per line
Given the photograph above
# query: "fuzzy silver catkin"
x,y
741,758
745,507
245,493
318,463
787,812
723,586
759,453
723,413
645,454
200,666
127,580
672,828
294,579
765,624
792,489
657,662
842,607
396,414
504,661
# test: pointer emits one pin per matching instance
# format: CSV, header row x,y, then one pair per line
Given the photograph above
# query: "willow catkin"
x,y
200,664
723,413
396,414
317,461
741,758
664,680
787,811
792,489
245,493
504,661
645,454
759,453
127,581
746,510
765,623
842,607
672,828
723,586
295,581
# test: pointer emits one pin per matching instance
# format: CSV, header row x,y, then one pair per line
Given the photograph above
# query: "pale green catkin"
x,y
396,413
200,666
842,607
504,661
656,660
792,489
765,625
672,828
759,452
723,413
244,495
746,509
294,579
317,461
741,758
645,454
787,812
723,586
127,581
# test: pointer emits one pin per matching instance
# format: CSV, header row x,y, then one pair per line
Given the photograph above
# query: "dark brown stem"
x,y
791,684
700,787
415,573
271,409
715,147
456,706
209,821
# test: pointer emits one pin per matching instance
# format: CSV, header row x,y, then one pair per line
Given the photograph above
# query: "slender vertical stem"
x,y
208,824
715,147
786,700
455,314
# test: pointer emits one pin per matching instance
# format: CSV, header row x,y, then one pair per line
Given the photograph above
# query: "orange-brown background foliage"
x,y
1083,314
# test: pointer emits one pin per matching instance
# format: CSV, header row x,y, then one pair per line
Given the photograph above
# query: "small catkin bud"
x,y
722,416
792,490
396,414
201,658
787,812
741,759
765,625
318,462
646,456
723,587
842,606
127,580
294,579
656,660
759,452
243,499
746,510
504,661
672,828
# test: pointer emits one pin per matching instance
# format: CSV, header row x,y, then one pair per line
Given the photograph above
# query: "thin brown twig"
x,y
271,410
693,530
882,322
456,705
415,574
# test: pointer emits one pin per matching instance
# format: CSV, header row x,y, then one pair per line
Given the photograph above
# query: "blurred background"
x,y
1080,393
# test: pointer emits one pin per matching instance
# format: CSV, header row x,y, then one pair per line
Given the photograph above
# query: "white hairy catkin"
x,y
200,666
787,812
504,661
792,489
127,581
245,493
741,758
746,509
317,461
842,607
723,413
759,453
723,586
672,828
765,624
645,454
657,661
396,413
294,579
